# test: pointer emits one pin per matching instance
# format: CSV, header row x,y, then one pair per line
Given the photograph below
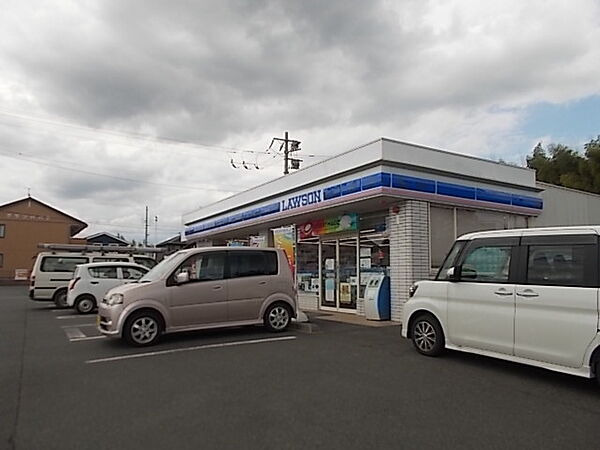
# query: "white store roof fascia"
x,y
380,151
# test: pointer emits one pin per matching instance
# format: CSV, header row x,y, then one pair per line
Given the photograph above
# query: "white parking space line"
x,y
79,325
87,338
73,333
189,349
74,316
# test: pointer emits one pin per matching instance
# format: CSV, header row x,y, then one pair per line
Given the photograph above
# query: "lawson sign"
x,y
305,199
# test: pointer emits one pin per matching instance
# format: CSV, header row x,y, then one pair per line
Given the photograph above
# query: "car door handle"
x,y
262,282
502,292
527,294
93,282
216,288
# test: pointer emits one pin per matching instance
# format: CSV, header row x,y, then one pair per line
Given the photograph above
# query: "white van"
x,y
529,296
52,271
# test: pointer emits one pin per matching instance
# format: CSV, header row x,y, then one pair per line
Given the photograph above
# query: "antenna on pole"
x,y
155,230
146,228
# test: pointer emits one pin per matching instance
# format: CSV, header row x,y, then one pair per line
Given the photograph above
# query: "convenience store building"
x,y
387,207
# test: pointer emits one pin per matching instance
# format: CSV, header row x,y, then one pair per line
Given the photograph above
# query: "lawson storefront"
x,y
385,209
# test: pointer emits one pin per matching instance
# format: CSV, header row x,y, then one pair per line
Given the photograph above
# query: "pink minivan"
x,y
202,288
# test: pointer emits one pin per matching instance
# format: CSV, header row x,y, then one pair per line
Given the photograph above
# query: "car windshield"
x,y
165,266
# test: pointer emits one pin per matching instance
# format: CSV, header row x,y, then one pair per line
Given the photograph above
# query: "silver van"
x,y
202,288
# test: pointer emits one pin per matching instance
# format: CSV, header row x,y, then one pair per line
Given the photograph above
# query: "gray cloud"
x,y
450,74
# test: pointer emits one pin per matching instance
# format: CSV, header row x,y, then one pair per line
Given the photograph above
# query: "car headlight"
x,y
114,299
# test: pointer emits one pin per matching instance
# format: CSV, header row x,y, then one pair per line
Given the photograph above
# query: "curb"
x,y
305,327
303,324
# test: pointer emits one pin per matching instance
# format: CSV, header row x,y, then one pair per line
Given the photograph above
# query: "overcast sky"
x,y
162,95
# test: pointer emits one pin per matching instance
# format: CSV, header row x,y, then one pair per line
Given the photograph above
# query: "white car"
x,y
529,296
92,281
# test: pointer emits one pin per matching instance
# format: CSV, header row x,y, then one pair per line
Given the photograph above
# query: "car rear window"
x,y
110,259
146,262
103,272
252,263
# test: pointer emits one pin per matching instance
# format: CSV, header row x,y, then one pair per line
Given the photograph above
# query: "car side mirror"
x,y
452,273
182,277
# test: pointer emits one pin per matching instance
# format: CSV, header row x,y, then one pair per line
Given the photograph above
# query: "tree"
x,y
542,164
564,166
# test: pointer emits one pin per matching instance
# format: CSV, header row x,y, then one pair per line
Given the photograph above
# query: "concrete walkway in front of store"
x,y
352,319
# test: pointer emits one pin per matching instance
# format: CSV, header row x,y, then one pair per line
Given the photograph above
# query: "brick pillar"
x,y
409,250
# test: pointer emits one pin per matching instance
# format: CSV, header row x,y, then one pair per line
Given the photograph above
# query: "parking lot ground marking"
x,y
73,333
87,338
189,349
79,325
76,316
73,316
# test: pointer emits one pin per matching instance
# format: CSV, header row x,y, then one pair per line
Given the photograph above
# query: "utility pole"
x,y
146,229
289,146
286,156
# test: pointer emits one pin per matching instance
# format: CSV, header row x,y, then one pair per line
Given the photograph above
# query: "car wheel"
x,y
427,335
277,317
143,328
85,304
597,371
60,298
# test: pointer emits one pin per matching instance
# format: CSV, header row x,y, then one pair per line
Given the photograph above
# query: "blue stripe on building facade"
x,y
379,180
455,190
413,183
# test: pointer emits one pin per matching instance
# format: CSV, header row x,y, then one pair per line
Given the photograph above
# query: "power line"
x,y
140,136
126,134
182,151
136,227
132,180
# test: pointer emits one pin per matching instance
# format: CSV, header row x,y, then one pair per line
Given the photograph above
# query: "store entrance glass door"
x,y
339,276
329,274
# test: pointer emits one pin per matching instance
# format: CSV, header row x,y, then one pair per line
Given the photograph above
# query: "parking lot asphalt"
x,y
347,386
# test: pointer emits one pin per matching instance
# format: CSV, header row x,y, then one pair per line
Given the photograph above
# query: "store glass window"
x,y
468,221
307,265
515,221
374,249
1,260
442,233
2,230
347,273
